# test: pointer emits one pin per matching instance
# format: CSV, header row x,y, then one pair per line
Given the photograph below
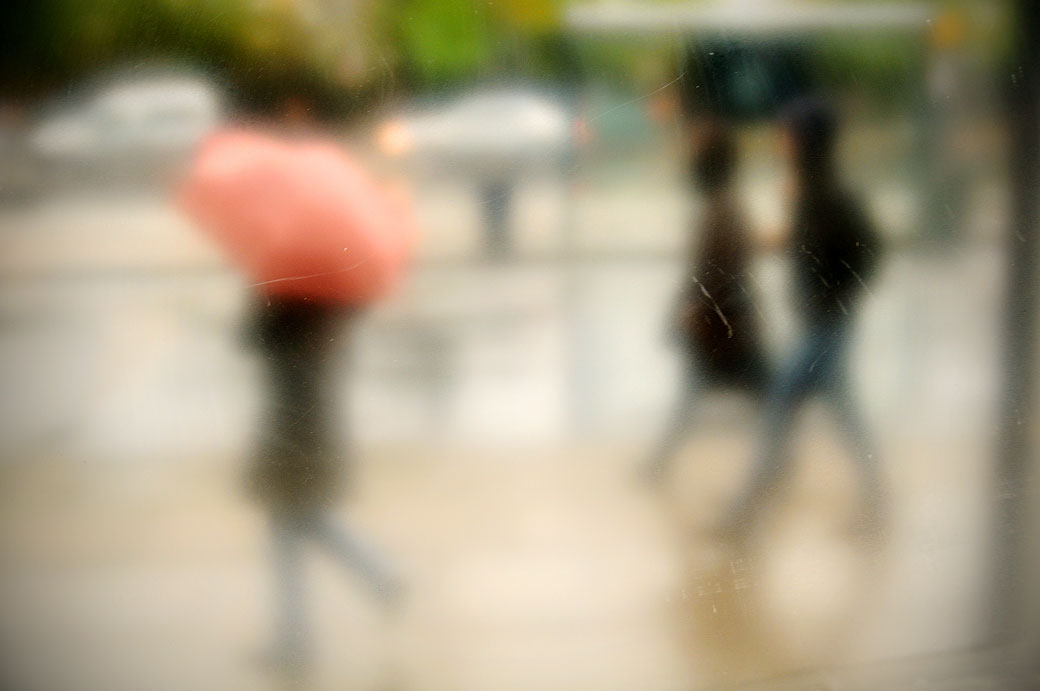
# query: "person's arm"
x,y
866,252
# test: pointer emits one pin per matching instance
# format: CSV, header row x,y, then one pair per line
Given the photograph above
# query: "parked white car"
x,y
495,132
135,124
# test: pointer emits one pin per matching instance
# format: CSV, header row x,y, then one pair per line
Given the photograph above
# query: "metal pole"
x,y
1020,317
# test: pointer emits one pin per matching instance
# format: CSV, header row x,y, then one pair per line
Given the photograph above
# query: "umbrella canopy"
x,y
299,217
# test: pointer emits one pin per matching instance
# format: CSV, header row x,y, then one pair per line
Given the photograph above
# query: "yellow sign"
x,y
533,15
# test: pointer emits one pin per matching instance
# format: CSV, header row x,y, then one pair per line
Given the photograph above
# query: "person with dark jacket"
x,y
296,472
716,321
835,252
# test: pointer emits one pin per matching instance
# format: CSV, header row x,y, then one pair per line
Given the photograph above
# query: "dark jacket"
x,y
297,464
836,254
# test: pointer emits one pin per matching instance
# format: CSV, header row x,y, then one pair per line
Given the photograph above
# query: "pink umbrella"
x,y
300,217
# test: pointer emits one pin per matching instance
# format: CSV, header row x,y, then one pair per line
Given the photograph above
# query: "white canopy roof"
x,y
746,17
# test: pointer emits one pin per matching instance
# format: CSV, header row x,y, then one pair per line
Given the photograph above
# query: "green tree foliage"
x,y
435,43
439,41
263,50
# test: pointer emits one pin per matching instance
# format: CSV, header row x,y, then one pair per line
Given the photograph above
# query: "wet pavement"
x,y
499,412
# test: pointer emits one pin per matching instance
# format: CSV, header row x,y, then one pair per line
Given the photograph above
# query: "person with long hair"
x,y
716,321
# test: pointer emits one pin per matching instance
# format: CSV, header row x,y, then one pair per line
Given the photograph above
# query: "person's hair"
x,y
812,123
715,157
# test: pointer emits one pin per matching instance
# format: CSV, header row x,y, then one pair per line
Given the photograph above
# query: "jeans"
x,y
288,533
819,366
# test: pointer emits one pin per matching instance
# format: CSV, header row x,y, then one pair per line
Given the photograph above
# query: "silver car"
x,y
129,127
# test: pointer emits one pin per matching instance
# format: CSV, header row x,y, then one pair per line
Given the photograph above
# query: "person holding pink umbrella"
x,y
319,241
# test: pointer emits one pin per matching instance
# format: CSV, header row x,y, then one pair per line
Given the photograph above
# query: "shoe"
x,y
652,474
290,662
735,528
391,594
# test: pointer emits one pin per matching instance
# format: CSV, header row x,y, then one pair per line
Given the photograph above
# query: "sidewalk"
x,y
499,412
541,568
